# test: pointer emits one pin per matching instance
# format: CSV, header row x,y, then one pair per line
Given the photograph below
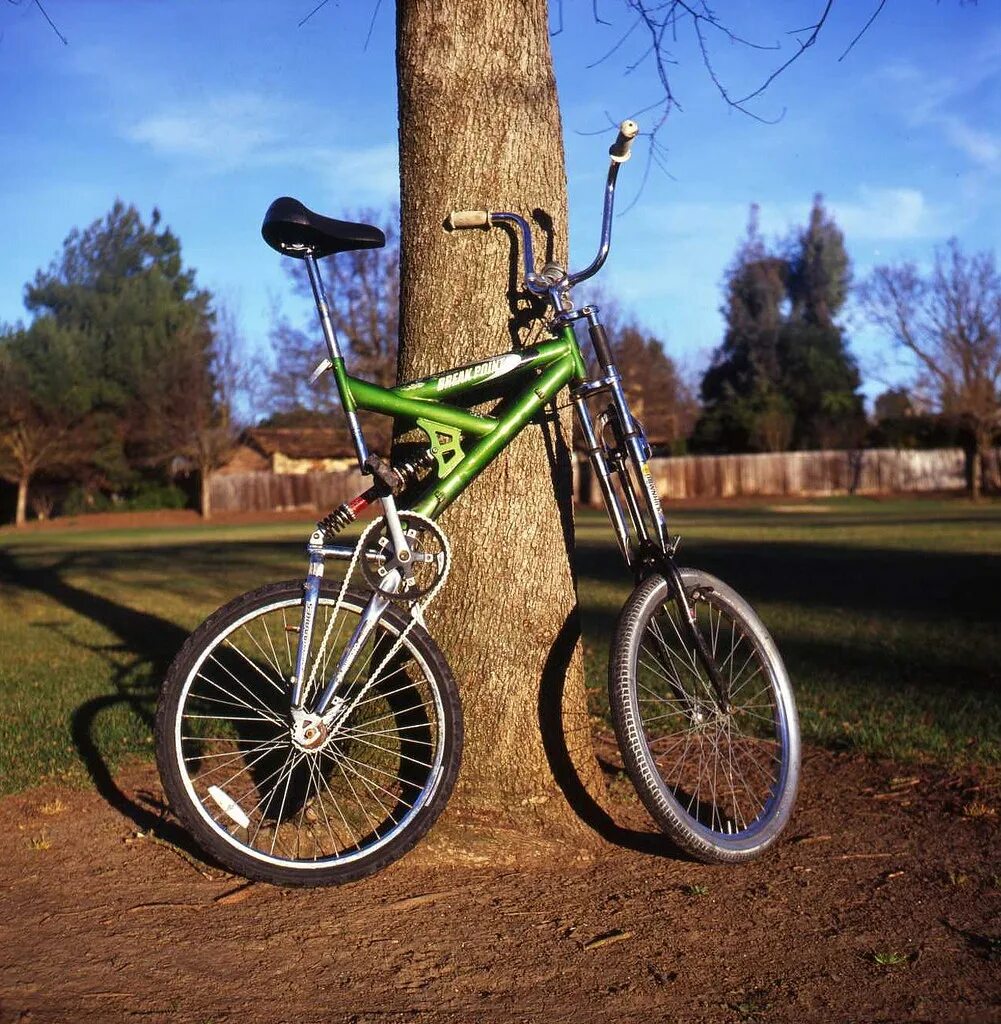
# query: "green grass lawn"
x,y
888,614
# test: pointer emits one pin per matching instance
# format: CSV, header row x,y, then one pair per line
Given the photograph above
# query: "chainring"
x,y
426,567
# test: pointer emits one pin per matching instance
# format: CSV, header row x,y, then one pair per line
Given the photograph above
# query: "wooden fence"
x,y
872,471
801,474
244,492
791,474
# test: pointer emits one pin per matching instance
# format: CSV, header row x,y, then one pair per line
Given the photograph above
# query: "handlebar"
x,y
619,153
467,219
619,149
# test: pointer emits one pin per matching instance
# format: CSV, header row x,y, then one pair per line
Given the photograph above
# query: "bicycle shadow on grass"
x,y
152,642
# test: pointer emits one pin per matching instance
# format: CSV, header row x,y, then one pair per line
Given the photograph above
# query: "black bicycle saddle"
x,y
293,230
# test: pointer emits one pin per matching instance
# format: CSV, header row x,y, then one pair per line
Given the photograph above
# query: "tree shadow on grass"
x,y
917,585
554,741
152,641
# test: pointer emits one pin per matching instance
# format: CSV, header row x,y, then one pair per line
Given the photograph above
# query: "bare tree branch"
x,y
319,6
597,17
663,22
814,31
45,15
52,24
371,24
863,30
601,60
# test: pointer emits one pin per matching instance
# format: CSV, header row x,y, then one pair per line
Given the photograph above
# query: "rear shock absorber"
x,y
344,515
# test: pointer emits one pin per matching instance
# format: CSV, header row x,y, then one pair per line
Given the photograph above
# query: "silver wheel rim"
x,y
279,804
724,773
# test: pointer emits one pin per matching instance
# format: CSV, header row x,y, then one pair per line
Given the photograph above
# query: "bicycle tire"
x,y
729,794
346,810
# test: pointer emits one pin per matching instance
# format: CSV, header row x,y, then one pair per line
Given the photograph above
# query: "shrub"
x,y
150,495
81,500
145,496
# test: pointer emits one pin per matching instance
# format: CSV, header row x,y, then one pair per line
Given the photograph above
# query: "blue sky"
x,y
211,109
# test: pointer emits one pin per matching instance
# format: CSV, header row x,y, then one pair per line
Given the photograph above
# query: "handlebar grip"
x,y
467,219
619,150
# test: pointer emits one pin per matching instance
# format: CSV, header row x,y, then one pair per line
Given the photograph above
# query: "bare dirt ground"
x,y
105,919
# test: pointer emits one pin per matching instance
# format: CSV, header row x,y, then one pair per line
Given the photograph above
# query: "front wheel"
x,y
260,802
719,776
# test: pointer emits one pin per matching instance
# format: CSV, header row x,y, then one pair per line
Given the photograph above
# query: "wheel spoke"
x,y
257,668
269,799
721,767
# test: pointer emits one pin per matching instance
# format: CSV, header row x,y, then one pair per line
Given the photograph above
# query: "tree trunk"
x,y
979,472
21,515
975,449
205,492
992,468
480,129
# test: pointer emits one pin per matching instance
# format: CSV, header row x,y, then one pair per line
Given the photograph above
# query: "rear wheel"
x,y
262,804
720,780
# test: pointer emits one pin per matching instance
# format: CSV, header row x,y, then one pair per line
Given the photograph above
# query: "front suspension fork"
x,y
653,559
377,604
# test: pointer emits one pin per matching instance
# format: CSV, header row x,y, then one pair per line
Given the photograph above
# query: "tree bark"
x,y
974,449
480,129
982,436
205,492
21,514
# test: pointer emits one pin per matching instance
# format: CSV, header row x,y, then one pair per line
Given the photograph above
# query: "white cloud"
x,y
238,131
221,134
946,102
373,170
871,214
884,214
981,146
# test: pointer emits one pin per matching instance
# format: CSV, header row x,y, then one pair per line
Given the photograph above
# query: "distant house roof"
x,y
299,442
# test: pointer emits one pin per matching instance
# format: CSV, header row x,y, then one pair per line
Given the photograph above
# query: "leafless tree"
x,y
26,447
950,323
363,289
38,431
191,404
658,392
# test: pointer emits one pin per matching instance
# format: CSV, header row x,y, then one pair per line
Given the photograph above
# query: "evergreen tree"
x,y
819,273
820,377
743,409
783,376
131,315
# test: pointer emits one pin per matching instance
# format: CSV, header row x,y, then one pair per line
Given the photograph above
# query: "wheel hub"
x,y
309,732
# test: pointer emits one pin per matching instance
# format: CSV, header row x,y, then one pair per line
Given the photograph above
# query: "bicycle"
x,y
310,733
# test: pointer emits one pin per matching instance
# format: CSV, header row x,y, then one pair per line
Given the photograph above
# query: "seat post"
x,y
336,360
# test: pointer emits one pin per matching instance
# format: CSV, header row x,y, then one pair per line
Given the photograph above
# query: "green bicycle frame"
x,y
552,364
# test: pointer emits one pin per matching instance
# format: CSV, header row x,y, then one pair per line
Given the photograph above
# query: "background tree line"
x,y
784,376
127,371
129,374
